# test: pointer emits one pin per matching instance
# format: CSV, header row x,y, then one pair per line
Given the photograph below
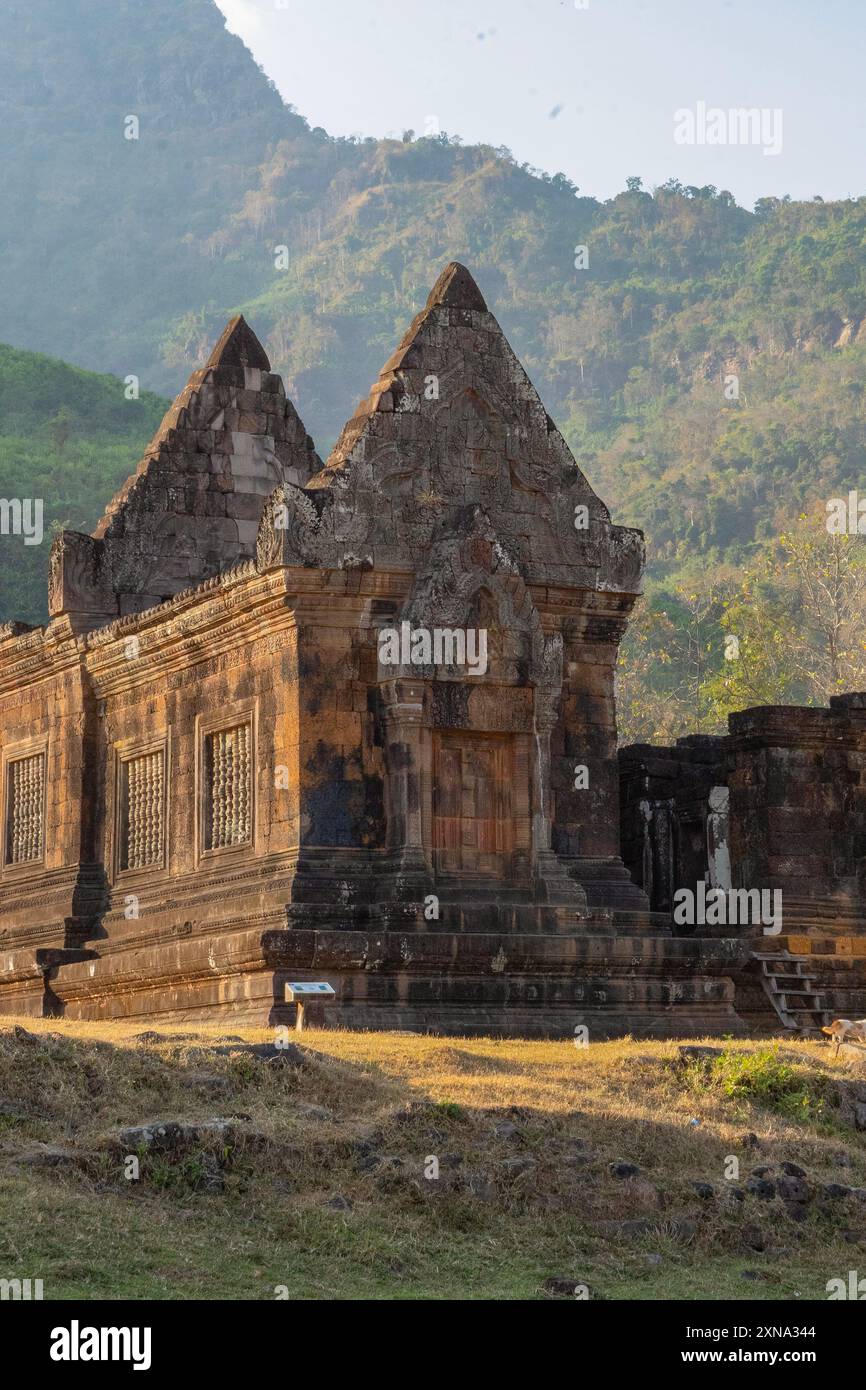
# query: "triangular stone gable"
x,y
454,422
192,508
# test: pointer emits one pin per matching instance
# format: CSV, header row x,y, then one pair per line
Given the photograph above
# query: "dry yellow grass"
x,y
322,1184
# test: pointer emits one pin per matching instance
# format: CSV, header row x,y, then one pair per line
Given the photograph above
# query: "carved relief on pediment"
x,y
78,581
295,529
405,476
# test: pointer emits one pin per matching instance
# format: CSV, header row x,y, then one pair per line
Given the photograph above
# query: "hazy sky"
x,y
589,91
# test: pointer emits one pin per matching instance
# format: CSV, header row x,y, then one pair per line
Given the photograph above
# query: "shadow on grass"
x,y
260,1168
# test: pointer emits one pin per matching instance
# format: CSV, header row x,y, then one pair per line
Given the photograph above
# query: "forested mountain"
x,y
707,364
69,438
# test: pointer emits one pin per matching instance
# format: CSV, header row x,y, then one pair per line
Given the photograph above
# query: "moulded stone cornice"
x,y
206,627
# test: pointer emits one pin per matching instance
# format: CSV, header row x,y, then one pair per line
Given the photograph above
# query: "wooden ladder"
x,y
792,990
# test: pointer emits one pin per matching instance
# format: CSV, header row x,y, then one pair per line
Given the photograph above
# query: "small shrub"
x,y
187,1174
762,1077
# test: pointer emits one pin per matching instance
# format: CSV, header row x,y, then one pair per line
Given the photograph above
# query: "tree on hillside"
x,y
791,630
800,620
667,664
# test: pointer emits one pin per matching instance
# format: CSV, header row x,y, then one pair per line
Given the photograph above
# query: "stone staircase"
x,y
791,984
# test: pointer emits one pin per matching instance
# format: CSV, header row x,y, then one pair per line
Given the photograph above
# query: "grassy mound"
x,y
205,1164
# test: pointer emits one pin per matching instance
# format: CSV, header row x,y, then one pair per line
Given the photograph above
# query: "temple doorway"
x,y
473,821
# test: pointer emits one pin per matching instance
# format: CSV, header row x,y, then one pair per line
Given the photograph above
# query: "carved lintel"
x,y
467,558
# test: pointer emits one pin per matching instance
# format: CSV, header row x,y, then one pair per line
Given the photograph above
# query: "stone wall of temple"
x,y
795,806
670,802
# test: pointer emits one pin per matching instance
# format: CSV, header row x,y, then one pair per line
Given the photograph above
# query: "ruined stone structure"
x,y
249,746
779,803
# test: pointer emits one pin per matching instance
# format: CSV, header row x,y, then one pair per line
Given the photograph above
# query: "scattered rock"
x,y
561,1288
169,1135
694,1053
517,1165
750,1141
637,1196
151,1037
798,1211
340,1203
624,1170
738,1194
842,1159
368,1162
835,1190
754,1238
653,1259
793,1171
451,1161
319,1113
48,1156
480,1187
291,1054
506,1130
705,1190
410,1111
854,1237
21,1035
860,1115
761,1172
753,1274
213,1178
761,1187
794,1190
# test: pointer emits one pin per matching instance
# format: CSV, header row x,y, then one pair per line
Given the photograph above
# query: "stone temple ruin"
x,y
250,746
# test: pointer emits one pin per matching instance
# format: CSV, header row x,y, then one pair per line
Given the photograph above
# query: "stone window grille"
x,y
228,787
141,810
25,809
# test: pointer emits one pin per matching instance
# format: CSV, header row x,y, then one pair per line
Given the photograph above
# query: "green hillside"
x,y
70,438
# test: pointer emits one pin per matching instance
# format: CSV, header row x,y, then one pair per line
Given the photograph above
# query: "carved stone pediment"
x,y
79,582
290,531
454,422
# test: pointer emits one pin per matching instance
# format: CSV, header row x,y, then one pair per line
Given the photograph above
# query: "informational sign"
x,y
304,989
